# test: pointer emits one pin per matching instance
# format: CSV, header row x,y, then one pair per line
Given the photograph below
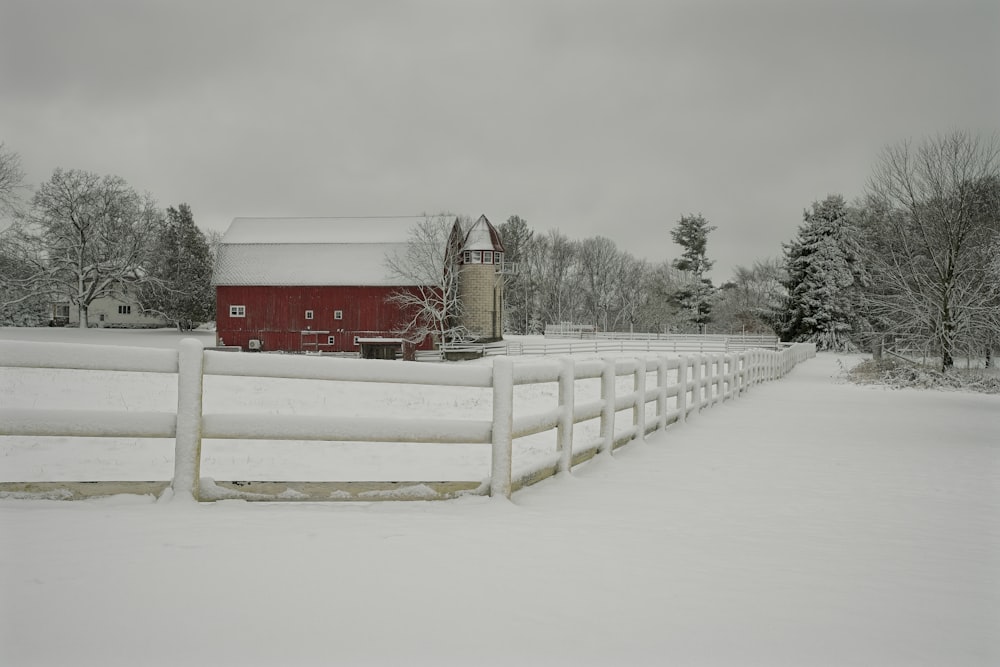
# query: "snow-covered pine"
x,y
822,278
694,296
179,272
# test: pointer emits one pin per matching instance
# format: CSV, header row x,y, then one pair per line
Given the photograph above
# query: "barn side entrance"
x,y
381,348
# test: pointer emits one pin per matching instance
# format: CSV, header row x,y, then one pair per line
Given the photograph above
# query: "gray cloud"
x,y
611,118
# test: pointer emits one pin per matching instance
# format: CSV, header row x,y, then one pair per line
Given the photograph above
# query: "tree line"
x,y
912,264
82,237
556,279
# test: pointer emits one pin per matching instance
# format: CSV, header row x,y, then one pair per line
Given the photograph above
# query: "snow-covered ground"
x,y
812,522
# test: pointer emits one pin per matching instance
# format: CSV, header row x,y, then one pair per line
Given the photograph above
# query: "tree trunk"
x,y
947,340
84,322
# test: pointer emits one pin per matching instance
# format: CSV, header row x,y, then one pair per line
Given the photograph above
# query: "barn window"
x,y
124,310
237,311
477,256
498,258
487,257
330,340
309,314
467,257
338,314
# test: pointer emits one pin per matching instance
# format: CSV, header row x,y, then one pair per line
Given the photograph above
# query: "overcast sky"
x,y
595,118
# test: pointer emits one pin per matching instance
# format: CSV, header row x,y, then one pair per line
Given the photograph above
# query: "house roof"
x,y
312,251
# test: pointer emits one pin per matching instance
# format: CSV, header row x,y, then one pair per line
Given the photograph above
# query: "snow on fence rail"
x,y
607,342
698,381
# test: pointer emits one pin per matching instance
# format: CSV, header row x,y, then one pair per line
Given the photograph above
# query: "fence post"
x,y
682,389
567,378
737,373
503,427
733,361
721,380
639,388
696,390
608,412
723,376
713,381
742,365
187,441
662,380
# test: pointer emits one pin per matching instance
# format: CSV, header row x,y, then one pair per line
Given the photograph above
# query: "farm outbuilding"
x,y
323,285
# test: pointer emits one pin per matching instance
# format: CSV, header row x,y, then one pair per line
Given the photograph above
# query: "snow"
x,y
385,229
312,251
83,357
810,522
478,237
296,264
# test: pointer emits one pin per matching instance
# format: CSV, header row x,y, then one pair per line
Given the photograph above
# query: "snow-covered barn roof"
x,y
311,251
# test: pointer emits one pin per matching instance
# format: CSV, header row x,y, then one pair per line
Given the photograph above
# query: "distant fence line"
x,y
693,382
573,342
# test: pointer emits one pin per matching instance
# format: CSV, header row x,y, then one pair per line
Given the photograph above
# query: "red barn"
x,y
311,285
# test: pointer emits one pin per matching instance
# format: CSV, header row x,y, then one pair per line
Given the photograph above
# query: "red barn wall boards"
x,y
309,284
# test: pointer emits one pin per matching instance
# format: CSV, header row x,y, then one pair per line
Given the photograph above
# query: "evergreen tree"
x,y
179,285
517,239
694,296
822,278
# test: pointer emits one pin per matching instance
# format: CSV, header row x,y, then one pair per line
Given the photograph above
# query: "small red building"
x,y
312,285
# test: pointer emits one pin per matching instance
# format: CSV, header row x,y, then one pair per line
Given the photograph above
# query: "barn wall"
x,y
277,317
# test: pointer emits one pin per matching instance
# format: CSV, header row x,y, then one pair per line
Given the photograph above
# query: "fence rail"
x,y
682,387
607,342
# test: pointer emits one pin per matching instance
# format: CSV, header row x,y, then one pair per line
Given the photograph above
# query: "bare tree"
x,y
660,311
600,265
632,290
932,216
428,267
11,181
557,269
18,304
86,237
752,300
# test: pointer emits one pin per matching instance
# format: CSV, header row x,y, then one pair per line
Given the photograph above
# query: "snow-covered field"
x,y
65,459
812,522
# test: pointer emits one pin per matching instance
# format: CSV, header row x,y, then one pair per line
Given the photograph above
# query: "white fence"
x,y
682,387
621,343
